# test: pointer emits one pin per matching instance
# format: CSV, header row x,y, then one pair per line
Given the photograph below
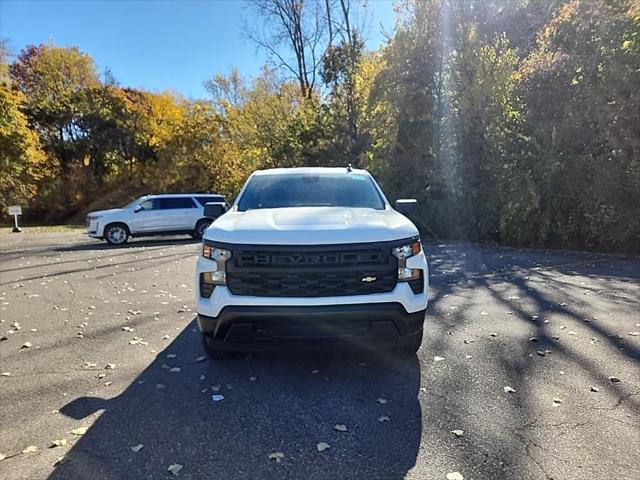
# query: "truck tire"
x,y
211,351
116,233
412,345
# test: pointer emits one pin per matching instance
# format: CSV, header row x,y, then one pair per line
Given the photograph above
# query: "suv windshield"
x,y
308,190
133,203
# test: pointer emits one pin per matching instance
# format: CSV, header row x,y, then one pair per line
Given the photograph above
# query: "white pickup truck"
x,y
311,258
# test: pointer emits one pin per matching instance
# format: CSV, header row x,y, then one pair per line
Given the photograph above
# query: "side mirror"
x,y
137,208
214,210
406,205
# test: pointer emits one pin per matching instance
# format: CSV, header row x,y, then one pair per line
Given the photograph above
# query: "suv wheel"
x,y
116,233
201,226
211,351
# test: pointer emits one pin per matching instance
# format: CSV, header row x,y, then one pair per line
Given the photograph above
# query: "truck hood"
x,y
98,213
310,226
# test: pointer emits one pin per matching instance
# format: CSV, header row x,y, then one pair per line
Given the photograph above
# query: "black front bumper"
x,y
329,326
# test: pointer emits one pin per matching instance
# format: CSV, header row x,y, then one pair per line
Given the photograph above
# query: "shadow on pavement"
x,y
132,243
272,403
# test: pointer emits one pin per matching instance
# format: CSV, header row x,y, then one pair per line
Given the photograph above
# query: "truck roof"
x,y
310,171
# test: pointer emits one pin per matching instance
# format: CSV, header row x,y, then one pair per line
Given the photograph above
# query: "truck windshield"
x,y
308,190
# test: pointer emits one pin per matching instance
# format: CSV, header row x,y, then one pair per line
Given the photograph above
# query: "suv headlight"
x,y
218,274
403,252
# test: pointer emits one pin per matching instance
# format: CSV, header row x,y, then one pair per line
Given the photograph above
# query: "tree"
x,y
21,156
55,82
582,111
293,32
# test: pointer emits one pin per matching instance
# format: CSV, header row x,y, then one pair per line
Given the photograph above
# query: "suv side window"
x,y
151,204
169,203
210,198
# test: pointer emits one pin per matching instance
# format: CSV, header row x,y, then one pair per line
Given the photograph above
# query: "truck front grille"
x,y
312,271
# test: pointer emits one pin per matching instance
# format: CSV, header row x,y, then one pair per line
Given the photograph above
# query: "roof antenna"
x,y
349,168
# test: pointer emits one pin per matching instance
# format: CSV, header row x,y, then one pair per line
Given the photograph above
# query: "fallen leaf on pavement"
x,y
201,359
175,369
26,345
340,427
594,389
30,449
79,431
384,418
509,390
458,433
322,446
455,476
217,398
175,468
382,401
137,448
110,366
58,443
438,359
277,456
614,379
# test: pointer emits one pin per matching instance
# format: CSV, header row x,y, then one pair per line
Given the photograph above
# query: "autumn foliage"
x,y
515,122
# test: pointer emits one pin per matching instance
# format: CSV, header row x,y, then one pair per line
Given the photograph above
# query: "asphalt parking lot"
x,y
99,353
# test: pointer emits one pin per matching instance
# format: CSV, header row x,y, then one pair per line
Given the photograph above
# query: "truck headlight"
x,y
218,274
215,254
406,251
406,274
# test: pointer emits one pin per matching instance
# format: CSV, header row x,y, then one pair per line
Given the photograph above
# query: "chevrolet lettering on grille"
x,y
307,259
368,279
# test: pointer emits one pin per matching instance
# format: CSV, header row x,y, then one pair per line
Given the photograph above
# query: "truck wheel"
x,y
116,233
201,226
412,345
211,351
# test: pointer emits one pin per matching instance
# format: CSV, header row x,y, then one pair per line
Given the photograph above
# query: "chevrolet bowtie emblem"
x,y
368,279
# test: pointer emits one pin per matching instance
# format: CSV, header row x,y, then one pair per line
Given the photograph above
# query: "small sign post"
x,y
15,210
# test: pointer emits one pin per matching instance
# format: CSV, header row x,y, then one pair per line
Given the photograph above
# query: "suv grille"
x,y
312,271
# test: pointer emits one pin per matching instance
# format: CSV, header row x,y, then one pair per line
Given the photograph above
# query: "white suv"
x,y
154,215
311,258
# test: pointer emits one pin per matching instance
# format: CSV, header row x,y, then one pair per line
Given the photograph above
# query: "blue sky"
x,y
155,45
